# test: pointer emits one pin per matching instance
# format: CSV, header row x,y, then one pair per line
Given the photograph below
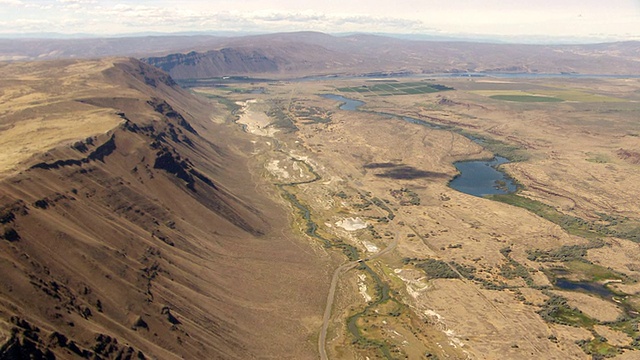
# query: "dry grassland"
x,y
39,112
462,281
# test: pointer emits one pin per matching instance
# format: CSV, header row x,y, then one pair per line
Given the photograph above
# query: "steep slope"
x,y
146,240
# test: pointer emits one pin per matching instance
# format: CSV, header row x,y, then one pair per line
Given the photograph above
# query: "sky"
x,y
589,20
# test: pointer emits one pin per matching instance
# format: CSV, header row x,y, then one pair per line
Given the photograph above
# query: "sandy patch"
x,y
255,121
274,168
362,287
371,247
415,281
300,169
352,224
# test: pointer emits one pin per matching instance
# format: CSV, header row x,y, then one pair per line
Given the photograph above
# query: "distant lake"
x,y
481,178
349,104
478,178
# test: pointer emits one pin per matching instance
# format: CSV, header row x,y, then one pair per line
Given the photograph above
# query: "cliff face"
x,y
215,63
283,57
306,54
147,240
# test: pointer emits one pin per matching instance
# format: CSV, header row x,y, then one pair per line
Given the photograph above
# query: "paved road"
x,y
322,339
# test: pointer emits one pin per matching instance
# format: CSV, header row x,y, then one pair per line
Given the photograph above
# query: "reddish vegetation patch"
x,y
629,156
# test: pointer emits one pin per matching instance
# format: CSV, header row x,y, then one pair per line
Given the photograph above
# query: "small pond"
x,y
481,178
593,288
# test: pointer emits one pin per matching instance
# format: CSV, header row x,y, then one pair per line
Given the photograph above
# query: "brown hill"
x,y
130,228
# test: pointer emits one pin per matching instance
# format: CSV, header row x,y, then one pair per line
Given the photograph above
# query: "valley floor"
x,y
266,220
429,271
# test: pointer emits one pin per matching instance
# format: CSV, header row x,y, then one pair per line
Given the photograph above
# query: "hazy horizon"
x,y
543,22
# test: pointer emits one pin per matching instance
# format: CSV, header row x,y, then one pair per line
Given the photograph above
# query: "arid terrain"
x,y
245,218
464,277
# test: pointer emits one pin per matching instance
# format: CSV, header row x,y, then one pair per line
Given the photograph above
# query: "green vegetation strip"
x,y
593,272
511,152
512,269
571,224
437,269
607,226
599,348
557,310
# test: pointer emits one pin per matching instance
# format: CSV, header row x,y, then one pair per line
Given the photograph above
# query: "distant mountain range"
x,y
312,53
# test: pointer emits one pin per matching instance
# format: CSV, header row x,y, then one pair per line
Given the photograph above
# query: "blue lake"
x,y
481,178
349,104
